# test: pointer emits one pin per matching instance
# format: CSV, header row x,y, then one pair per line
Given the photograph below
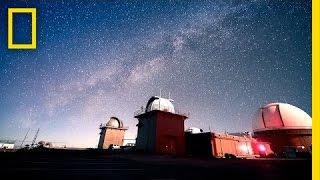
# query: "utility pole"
x,y
24,138
34,139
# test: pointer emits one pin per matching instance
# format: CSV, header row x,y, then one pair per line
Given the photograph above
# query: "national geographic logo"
x,y
33,44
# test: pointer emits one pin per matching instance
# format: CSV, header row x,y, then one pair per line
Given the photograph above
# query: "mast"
x,y
35,137
24,138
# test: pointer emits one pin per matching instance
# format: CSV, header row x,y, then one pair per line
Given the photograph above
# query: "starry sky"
x,y
219,60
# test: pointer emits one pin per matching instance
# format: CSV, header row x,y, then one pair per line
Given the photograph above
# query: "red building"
x,y
221,145
160,128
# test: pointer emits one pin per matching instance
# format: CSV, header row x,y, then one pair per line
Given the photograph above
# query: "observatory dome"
x,y
159,103
194,130
276,116
114,122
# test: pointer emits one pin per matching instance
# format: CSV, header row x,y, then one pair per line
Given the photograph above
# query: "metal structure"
x,y
24,138
34,139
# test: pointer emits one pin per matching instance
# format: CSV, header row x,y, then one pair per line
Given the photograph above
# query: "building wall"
x,y
161,132
262,152
146,132
217,145
6,146
227,144
170,133
199,144
111,136
280,140
101,139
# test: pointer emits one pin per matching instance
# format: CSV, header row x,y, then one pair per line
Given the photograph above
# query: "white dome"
x,y
281,116
114,123
158,103
194,130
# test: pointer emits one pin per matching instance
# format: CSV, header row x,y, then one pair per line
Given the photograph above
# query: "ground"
x,y
85,165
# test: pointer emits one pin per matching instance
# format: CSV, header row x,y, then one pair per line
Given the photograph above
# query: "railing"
x,y
143,110
139,112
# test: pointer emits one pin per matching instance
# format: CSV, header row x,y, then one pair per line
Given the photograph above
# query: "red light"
x,y
262,148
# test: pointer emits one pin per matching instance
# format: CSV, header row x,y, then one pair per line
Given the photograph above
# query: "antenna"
x,y
260,106
35,137
171,100
160,92
24,138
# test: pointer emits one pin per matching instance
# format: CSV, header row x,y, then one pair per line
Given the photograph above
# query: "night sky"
x,y
219,60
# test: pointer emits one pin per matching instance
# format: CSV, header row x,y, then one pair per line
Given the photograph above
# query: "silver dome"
x,y
159,103
115,123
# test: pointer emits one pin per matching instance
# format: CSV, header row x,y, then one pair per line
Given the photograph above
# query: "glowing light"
x,y
262,148
244,147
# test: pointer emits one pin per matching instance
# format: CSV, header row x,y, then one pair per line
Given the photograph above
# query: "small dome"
x,y
194,130
158,103
114,122
281,116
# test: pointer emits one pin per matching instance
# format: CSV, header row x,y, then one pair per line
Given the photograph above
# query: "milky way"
x,y
219,61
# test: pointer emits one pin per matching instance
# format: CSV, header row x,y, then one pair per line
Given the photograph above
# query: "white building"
x,y
5,144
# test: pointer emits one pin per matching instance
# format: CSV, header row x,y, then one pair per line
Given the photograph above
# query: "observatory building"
x,y
160,128
111,133
284,126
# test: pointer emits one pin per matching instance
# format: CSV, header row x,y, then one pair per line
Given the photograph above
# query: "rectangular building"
x,y
224,145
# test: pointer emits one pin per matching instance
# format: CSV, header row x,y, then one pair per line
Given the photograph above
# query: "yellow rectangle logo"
x,y
33,12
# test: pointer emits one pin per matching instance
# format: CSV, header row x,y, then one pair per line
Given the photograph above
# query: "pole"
x,y
35,137
24,138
